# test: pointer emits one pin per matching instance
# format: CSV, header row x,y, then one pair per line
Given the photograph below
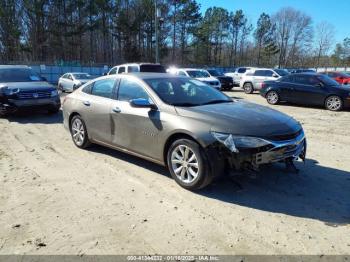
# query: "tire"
x,y
190,174
334,103
272,97
248,88
79,132
74,87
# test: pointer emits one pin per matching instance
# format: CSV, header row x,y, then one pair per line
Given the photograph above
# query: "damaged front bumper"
x,y
251,152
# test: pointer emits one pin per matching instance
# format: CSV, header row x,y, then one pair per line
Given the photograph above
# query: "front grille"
x,y
285,136
33,94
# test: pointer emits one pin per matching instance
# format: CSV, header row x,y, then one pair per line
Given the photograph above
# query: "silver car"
x,y
182,123
71,81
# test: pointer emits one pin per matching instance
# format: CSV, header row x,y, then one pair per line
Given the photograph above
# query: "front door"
x,y
136,129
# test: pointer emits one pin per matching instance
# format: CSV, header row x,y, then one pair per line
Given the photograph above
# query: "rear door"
x,y
258,78
97,109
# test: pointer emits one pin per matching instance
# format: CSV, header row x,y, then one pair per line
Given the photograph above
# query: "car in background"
x,y
254,80
23,88
137,67
238,74
71,81
199,74
194,130
309,89
301,70
226,81
341,78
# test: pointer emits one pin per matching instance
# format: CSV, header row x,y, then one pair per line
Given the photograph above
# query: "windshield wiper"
x,y
184,104
216,102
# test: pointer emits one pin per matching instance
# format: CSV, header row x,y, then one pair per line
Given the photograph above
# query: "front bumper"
x,y
13,105
276,151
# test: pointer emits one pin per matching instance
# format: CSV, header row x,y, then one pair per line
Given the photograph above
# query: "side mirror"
x,y
319,84
275,76
142,103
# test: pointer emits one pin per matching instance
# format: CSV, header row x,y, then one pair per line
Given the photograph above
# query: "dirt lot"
x,y
58,199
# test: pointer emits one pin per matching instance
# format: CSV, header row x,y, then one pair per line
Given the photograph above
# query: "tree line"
x,y
117,31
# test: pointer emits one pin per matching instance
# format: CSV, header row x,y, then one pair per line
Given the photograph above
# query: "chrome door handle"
x,y
116,110
87,103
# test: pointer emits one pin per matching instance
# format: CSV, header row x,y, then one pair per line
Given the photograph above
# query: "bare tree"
x,y
323,39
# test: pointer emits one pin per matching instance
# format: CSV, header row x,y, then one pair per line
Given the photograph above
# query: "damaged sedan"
x,y
194,130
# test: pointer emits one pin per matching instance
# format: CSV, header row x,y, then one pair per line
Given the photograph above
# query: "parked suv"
x,y
21,87
254,81
239,73
137,67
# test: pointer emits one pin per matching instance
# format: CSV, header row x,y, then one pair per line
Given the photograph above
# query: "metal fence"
x,y
52,72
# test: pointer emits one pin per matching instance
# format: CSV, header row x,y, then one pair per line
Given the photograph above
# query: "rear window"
x,y
19,75
152,68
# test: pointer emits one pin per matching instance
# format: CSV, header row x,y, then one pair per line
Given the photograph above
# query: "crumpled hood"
x,y
242,118
26,86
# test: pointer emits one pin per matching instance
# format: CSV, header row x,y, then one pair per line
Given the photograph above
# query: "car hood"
x,y
207,79
40,85
242,118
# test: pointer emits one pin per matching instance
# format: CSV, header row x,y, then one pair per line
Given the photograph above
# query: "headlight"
x,y
11,91
54,93
233,142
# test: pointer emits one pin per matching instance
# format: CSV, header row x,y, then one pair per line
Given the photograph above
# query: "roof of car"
x,y
153,75
191,69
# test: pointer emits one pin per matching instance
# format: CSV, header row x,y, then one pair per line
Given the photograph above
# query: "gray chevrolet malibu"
x,y
194,130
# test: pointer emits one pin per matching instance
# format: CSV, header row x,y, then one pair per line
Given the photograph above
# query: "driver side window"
x,y
129,90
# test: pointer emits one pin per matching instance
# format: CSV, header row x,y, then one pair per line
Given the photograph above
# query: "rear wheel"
x,y
188,164
79,132
334,103
248,88
272,97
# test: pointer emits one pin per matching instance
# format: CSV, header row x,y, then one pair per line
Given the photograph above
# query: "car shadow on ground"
x,y
36,117
316,192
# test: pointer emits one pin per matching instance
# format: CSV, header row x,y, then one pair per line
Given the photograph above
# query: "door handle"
x,y
86,103
116,110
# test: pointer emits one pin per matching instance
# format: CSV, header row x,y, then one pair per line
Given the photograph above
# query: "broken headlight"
x,y
234,142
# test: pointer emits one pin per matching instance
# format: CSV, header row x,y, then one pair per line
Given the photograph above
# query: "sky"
x,y
336,12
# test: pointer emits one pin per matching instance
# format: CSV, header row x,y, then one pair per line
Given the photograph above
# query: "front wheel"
x,y
334,103
248,88
188,164
272,97
79,132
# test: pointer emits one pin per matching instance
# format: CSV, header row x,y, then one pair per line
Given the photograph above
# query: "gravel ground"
x,y
58,199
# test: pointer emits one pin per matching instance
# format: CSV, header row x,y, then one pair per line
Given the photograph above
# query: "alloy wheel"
x,y
78,132
272,97
185,164
334,103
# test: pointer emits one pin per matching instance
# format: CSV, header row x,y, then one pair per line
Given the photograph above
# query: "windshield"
x,y
327,80
19,75
214,72
281,72
152,68
179,91
81,76
197,73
